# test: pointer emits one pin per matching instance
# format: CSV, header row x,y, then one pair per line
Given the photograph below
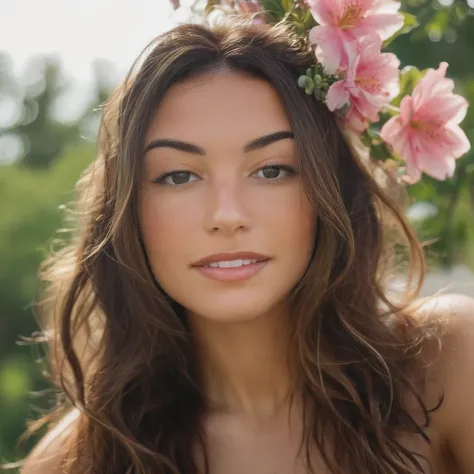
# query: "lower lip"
x,y
243,272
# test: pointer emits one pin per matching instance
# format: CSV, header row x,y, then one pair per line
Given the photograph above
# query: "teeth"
x,y
231,263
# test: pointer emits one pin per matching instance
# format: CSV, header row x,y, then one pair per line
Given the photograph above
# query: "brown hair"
x,y
120,347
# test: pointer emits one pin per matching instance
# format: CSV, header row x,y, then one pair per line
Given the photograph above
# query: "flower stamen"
x,y
352,16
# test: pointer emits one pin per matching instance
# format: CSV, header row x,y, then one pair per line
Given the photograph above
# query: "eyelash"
x,y
289,169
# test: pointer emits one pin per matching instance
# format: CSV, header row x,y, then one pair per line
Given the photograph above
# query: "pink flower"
x,y
426,134
343,23
371,82
355,121
249,6
175,4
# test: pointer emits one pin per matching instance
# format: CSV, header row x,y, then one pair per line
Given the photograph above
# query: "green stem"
x,y
391,108
453,199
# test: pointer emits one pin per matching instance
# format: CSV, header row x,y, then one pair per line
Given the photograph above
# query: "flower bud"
x,y
309,87
302,81
318,94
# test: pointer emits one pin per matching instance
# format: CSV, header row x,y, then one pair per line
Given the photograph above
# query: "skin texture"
x,y
240,442
229,205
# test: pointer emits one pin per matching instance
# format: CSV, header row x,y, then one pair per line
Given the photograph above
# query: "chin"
x,y
241,309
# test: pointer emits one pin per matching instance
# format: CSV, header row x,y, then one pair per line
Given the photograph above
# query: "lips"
x,y
223,257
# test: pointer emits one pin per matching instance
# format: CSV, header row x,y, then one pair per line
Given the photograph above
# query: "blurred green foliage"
x,y
28,216
52,155
446,33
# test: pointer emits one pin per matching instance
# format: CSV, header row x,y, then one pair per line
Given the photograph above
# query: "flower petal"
x,y
432,83
337,95
413,174
443,109
391,129
440,169
371,45
330,48
436,151
355,121
406,110
385,25
409,151
249,7
364,5
326,12
375,80
387,6
458,140
368,106
379,76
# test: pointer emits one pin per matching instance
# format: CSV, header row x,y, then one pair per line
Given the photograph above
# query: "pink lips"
x,y
241,273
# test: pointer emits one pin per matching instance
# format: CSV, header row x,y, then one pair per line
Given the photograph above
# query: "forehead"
x,y
226,105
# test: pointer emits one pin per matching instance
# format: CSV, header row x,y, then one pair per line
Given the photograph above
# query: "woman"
x,y
223,307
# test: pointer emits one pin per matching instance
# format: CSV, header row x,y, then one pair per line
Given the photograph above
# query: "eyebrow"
x,y
253,145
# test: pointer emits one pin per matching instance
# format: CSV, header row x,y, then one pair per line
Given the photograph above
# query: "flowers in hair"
x,y
427,133
361,84
343,24
370,82
348,43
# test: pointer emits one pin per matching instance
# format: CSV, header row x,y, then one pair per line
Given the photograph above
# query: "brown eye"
x,y
181,177
271,172
276,172
176,178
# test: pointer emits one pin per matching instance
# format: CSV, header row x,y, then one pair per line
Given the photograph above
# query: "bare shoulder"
x,y
452,371
451,317
450,309
47,456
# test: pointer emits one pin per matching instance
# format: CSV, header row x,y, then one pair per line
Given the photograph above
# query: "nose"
x,y
225,209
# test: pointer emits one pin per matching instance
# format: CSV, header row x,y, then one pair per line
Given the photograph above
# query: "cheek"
x,y
167,231
281,225
291,222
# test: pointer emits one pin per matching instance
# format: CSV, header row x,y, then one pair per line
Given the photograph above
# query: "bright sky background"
x,y
79,31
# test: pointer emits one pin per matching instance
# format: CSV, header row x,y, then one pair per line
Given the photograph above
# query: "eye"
x,y
275,172
176,178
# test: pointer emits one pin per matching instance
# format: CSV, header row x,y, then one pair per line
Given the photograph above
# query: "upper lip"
x,y
221,257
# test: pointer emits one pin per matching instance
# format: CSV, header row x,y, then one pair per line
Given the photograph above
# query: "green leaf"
x,y
287,5
410,23
275,8
409,78
308,20
302,19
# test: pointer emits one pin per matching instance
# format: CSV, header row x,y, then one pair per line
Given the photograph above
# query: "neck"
x,y
244,366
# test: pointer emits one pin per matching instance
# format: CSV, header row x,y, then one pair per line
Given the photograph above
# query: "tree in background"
x,y
41,138
33,190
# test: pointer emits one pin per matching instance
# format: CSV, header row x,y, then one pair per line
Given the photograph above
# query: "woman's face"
x,y
211,185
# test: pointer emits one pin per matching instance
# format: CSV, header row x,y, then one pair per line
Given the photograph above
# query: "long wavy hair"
x,y
121,352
